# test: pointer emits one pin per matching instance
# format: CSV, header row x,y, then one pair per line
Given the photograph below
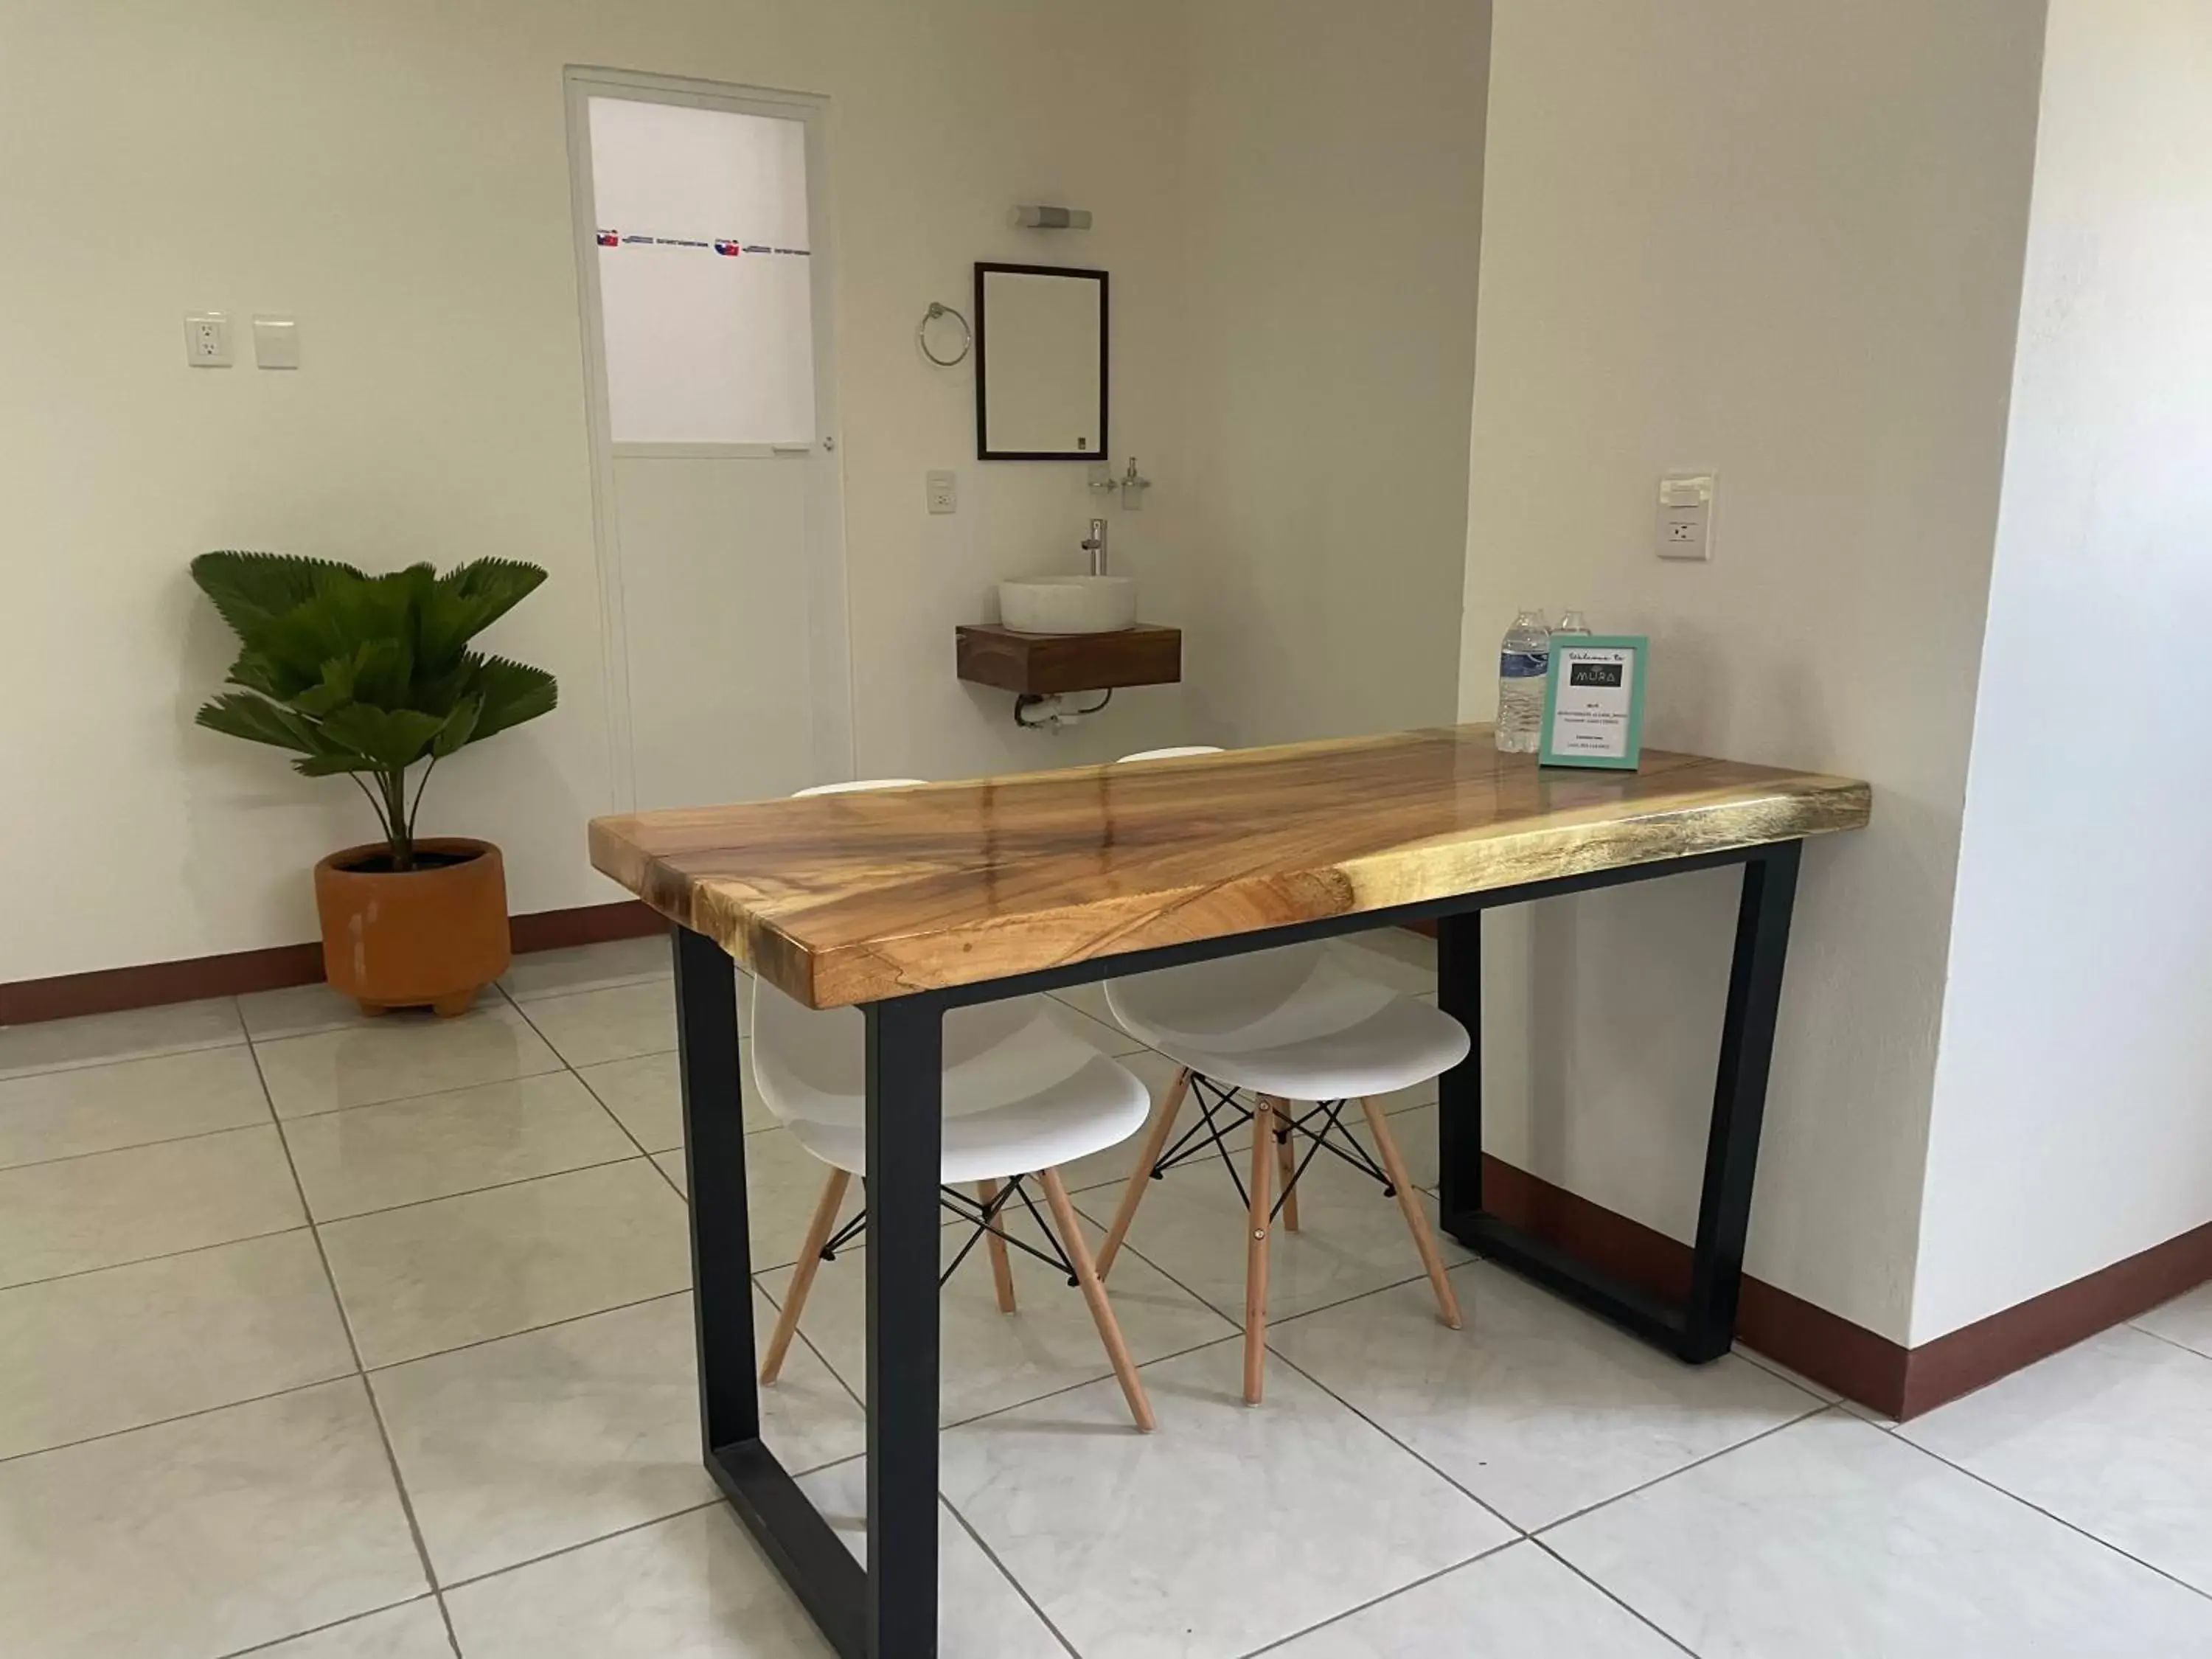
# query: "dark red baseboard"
x,y
1899,1381
107,989
1976,1354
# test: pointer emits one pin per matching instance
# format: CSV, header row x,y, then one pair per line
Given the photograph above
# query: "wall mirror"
x,y
1040,363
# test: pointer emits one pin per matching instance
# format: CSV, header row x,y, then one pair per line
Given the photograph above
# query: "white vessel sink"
x,y
1068,604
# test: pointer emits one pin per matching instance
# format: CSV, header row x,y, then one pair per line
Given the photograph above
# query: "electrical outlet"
x,y
1685,516
944,492
207,339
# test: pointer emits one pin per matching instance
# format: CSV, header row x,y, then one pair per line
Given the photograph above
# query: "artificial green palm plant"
x,y
368,676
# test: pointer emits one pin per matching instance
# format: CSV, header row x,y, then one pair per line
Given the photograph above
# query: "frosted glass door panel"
x,y
705,278
715,593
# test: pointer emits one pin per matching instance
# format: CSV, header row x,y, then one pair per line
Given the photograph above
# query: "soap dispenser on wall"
x,y
1131,486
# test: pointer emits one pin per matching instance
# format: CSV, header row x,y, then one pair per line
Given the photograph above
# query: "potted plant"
x,y
370,676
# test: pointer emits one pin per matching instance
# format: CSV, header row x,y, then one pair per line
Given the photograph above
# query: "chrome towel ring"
x,y
921,335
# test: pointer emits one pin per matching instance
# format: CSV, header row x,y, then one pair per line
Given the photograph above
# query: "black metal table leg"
x,y
1754,1001
905,1133
1459,1091
714,1166
1703,1327
798,1540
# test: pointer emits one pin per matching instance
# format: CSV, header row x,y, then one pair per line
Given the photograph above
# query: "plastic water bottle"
x,y
1523,660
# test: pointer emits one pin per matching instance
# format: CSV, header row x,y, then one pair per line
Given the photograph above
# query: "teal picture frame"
x,y
1639,647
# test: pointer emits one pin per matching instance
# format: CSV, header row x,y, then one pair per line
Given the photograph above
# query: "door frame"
x,y
829,615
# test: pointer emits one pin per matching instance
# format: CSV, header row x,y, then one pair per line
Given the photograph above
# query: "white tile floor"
x,y
323,1338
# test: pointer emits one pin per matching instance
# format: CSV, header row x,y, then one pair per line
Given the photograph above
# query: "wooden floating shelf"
x,y
1042,665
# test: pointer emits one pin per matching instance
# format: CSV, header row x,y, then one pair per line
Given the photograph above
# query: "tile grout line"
x,y
368,1390
714,1503
2130,1324
492,1187
180,1417
2049,1515
1820,1408
835,1376
372,1370
717,1501
1275,1353
165,1255
1386,1595
121,1058
319,1630
428,1094
524,1014
464,1088
1773,1368
134,1146
1087,1382
527,1330
1004,1572
1664,1635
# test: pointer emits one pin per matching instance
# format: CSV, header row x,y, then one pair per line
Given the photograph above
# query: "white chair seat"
x,y
1180,751
1290,1022
1083,1112
1022,1091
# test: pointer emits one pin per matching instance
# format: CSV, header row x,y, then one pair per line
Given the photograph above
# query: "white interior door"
x,y
703,250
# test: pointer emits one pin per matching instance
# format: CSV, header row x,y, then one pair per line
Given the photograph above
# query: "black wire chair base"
x,y
984,1218
1221,1114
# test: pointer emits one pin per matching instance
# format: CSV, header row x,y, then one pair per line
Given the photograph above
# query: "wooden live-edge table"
x,y
912,902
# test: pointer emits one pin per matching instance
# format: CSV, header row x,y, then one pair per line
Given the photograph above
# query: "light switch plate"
x,y
944,492
276,342
207,339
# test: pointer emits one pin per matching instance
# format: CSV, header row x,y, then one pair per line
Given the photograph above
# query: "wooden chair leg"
x,y
1286,1166
1417,1218
802,1275
1156,1140
1256,1252
1094,1292
1002,1270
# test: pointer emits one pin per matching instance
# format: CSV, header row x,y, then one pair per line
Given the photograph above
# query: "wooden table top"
x,y
849,898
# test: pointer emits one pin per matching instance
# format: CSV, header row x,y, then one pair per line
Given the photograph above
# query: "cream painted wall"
x,y
2073,1115
395,175
1781,240
1332,175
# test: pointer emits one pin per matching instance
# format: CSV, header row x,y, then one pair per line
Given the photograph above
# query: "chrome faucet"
x,y
1095,545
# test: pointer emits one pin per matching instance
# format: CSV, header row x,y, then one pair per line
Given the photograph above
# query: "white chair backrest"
x,y
857,784
1173,754
800,1052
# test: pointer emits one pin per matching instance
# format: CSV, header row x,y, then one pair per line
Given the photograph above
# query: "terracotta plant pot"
x,y
434,935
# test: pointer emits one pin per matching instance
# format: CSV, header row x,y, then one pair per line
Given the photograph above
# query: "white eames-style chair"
x,y
1282,1026
1022,1095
